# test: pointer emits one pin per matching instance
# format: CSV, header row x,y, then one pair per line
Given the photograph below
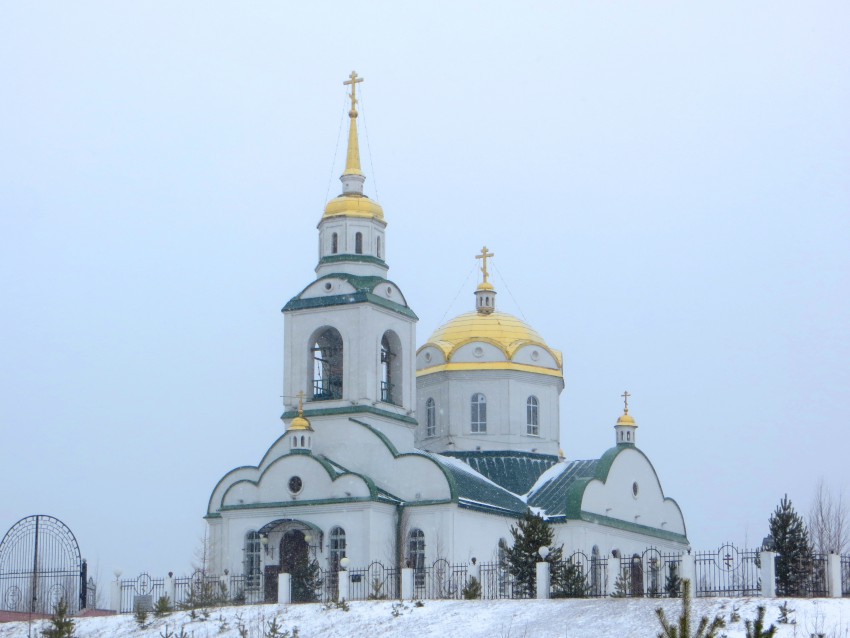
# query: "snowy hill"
x,y
620,618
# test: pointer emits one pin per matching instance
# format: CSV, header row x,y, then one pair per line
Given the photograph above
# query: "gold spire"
x,y
352,160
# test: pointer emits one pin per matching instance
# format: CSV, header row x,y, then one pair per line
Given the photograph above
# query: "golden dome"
x,y
485,285
354,206
504,331
299,423
626,419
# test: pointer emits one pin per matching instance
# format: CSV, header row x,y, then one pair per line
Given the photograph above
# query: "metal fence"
x,y
728,572
497,582
580,576
654,574
375,582
845,575
197,590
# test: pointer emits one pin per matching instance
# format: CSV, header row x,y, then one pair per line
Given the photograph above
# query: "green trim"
x,y
599,519
484,509
365,259
383,437
346,300
281,504
354,409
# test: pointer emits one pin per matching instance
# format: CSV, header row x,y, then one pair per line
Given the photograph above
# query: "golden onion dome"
x,y
626,419
500,329
354,206
299,423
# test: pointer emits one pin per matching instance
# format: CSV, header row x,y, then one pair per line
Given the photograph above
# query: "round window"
x,y
635,489
328,286
295,484
535,355
389,291
478,352
427,356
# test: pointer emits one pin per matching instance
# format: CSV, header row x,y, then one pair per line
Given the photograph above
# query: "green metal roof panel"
x,y
517,472
552,495
477,492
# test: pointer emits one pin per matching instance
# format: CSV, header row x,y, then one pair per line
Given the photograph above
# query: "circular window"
x,y
427,356
295,484
635,489
389,291
328,286
478,352
535,355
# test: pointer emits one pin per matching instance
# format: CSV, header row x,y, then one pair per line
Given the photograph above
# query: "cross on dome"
x,y
483,257
353,81
626,396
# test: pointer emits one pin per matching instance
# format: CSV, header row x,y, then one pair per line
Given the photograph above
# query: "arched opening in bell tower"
x,y
326,352
391,368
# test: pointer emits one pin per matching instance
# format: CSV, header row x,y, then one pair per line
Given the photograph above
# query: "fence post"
x,y
768,574
406,583
168,583
115,595
343,586
542,579
284,594
833,575
612,575
475,571
688,571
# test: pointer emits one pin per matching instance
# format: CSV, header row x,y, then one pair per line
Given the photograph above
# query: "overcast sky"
x,y
665,187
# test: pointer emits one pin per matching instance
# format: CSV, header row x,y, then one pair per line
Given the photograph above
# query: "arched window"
x,y
334,244
337,547
478,420
391,368
532,416
379,248
327,365
251,563
430,417
416,556
358,243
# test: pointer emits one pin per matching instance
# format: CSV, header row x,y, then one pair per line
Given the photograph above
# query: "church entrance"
x,y
294,557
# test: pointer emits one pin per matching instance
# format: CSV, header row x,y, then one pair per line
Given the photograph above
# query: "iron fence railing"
x,y
728,572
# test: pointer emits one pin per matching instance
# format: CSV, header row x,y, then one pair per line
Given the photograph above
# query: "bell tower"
x,y
349,336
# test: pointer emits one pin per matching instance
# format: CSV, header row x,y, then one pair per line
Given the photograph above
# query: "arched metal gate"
x,y
40,565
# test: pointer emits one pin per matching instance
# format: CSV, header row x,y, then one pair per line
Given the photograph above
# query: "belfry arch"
x,y
326,364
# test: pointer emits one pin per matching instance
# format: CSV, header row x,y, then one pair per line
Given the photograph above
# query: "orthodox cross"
x,y
301,403
353,81
483,257
626,396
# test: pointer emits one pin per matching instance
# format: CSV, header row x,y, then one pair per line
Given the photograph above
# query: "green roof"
x,y
477,492
551,496
363,293
515,471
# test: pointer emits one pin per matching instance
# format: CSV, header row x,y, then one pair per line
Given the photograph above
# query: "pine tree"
x,y
755,629
674,584
791,543
530,534
569,581
62,626
306,580
705,629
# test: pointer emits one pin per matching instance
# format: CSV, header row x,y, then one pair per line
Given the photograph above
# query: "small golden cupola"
x,y
300,432
625,430
485,294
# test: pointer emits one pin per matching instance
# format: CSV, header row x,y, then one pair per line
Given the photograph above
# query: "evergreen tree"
x,y
705,629
755,629
61,625
306,580
673,586
530,534
791,543
569,581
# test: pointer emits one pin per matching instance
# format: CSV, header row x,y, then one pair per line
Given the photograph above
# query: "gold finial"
x,y
353,81
352,159
483,257
626,396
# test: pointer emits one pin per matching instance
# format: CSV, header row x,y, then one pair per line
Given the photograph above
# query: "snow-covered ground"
x,y
618,618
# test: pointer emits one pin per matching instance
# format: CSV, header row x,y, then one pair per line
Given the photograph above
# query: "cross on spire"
x,y
353,81
483,257
301,403
626,396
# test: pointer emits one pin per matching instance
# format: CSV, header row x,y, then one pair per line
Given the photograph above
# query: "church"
x,y
407,455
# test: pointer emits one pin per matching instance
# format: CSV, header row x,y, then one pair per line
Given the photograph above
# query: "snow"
x,y
584,618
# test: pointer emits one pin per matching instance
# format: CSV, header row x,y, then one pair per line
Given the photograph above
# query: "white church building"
x,y
404,455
